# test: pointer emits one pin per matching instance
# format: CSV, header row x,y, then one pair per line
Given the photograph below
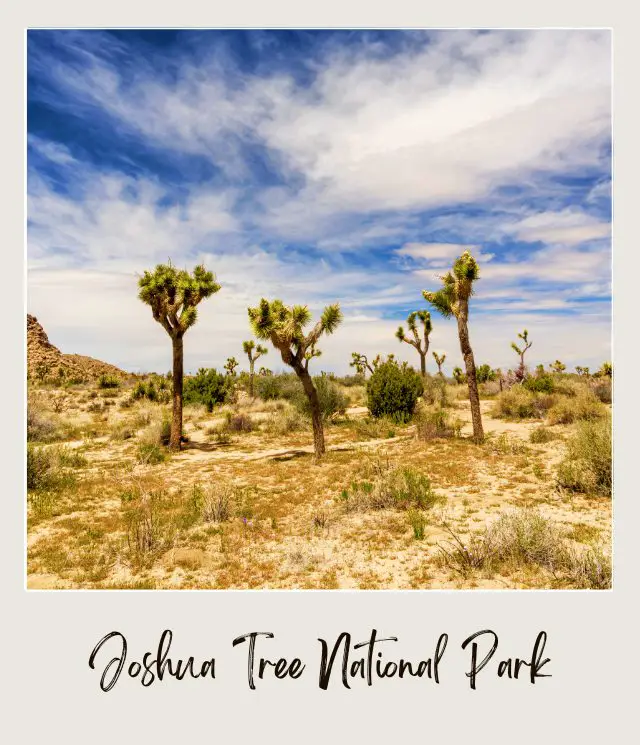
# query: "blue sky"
x,y
319,167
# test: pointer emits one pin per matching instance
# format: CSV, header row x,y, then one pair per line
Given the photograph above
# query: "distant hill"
x,y
47,362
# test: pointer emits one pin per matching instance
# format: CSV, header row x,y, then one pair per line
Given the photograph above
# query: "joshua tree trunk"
x,y
423,363
252,367
178,374
470,367
316,416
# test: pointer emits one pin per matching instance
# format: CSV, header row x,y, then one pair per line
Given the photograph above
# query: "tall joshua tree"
x,y
520,372
174,295
253,352
452,299
284,326
439,362
421,345
230,365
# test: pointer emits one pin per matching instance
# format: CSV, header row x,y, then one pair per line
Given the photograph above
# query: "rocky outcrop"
x,y
47,363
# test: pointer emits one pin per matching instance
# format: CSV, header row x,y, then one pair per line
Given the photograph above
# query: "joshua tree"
x,y
458,375
439,362
284,327
582,371
421,345
605,371
558,367
264,371
230,365
539,370
520,372
174,295
361,363
249,347
452,299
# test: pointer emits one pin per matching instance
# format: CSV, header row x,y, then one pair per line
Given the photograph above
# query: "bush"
x,y
45,467
484,374
418,522
150,454
524,538
238,423
432,424
587,466
108,381
390,488
39,427
434,391
518,403
286,421
602,391
270,387
584,407
540,435
539,384
209,388
393,391
332,399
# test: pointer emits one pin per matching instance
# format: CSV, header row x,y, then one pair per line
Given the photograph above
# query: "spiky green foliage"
x,y
439,361
230,365
250,346
457,286
484,373
361,363
458,375
284,326
605,371
420,343
582,371
173,295
558,367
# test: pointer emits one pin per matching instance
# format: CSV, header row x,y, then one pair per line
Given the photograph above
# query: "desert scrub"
x,y
587,466
209,387
285,421
374,429
217,502
436,423
388,487
520,403
435,391
418,522
150,454
540,435
108,381
45,468
523,539
393,391
331,399
584,407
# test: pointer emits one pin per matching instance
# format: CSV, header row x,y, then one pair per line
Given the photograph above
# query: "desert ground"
x,y
244,505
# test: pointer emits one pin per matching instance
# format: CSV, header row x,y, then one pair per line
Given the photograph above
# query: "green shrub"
x,y
45,467
418,522
393,391
271,387
584,407
540,435
587,466
209,388
436,423
332,399
386,487
484,374
539,384
517,403
285,421
108,381
150,454
435,391
524,538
